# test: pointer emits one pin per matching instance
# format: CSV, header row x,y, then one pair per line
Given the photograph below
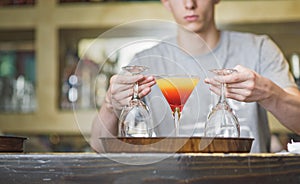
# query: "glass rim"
x,y
139,68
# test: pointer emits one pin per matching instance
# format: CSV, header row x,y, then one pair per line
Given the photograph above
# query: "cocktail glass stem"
x,y
135,91
222,100
223,93
176,115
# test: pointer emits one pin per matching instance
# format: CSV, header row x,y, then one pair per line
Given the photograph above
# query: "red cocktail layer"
x,y
176,97
177,90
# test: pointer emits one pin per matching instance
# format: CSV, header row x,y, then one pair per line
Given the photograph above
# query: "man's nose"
x,y
190,4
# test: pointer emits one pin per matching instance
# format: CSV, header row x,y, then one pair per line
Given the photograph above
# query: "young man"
x,y
262,83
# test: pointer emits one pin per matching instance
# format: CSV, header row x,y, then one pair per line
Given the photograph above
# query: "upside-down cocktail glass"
x,y
135,119
222,121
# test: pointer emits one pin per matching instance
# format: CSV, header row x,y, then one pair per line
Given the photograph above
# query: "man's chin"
x,y
196,28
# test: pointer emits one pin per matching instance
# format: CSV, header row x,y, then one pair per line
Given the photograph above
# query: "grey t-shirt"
x,y
258,53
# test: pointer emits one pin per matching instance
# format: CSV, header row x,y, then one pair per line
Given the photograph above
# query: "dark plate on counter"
x,y
12,144
176,144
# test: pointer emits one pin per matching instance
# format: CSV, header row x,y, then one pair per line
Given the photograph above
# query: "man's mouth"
x,y
191,18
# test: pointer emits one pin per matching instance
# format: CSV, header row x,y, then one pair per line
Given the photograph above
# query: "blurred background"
x,y
42,42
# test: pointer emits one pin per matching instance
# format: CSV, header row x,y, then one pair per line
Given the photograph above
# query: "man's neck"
x,y
198,43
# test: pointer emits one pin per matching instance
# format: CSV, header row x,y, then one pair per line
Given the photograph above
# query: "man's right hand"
x,y
121,89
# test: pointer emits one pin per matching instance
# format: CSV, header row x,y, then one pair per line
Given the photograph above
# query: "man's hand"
x,y
244,85
121,89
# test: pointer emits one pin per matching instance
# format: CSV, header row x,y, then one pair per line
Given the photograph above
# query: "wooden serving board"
x,y
177,145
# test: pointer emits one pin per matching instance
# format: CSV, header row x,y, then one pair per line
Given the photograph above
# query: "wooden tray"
x,y
12,144
177,144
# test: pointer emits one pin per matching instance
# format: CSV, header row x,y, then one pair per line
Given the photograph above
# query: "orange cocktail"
x,y
177,89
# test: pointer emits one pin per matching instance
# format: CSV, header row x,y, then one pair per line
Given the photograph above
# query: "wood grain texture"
x,y
172,168
177,144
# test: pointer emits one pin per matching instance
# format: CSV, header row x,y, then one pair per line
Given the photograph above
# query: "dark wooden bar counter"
x,y
149,168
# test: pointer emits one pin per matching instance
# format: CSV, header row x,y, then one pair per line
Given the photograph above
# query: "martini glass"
x,y
222,121
176,89
135,119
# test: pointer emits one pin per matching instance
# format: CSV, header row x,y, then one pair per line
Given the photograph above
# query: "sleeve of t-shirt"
x,y
273,64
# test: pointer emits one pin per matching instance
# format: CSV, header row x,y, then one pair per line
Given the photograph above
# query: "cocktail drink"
x,y
177,89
